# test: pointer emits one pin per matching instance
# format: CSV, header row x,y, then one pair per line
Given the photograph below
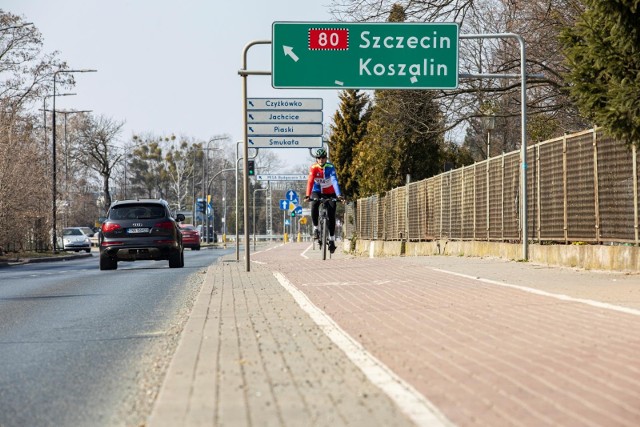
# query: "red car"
x,y
190,237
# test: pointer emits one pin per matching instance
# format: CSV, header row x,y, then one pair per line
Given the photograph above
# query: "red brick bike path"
x,y
482,353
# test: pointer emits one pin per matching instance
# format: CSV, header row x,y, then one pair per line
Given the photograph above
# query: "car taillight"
x,y
111,243
109,227
164,225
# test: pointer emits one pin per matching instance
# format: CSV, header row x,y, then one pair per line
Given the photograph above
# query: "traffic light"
x,y
251,167
200,205
293,214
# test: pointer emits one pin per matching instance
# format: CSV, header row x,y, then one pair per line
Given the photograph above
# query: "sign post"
x,y
364,55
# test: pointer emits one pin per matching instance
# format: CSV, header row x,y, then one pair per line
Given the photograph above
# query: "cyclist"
x,y
323,184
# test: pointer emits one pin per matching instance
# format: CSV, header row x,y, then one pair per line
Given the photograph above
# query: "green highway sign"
x,y
334,55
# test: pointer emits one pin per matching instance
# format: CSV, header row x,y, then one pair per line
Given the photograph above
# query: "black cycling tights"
x,y
315,207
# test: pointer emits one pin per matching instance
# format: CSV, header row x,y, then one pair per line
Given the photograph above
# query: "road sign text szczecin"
x,y
364,55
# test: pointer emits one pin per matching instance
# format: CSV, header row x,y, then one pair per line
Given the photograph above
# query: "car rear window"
x,y
71,232
138,211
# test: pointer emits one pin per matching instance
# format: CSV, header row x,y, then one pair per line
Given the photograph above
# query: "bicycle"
x,y
323,224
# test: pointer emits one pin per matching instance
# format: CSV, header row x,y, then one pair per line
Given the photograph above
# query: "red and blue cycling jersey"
x,y
323,180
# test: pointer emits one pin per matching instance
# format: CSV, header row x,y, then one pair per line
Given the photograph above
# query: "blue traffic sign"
x,y
284,205
290,195
298,210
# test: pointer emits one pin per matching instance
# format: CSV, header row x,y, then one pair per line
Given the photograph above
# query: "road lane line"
x,y
420,410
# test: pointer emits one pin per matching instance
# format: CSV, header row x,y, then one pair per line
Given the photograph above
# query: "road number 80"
x,y
328,39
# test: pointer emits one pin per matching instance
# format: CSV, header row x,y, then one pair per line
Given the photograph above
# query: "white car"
x,y
73,239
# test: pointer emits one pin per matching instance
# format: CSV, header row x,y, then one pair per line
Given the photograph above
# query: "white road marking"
x,y
561,297
420,410
304,253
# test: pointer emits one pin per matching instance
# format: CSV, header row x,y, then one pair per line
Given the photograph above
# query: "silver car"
x,y
73,239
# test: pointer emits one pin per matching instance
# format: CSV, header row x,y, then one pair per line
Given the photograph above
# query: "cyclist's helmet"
x,y
321,153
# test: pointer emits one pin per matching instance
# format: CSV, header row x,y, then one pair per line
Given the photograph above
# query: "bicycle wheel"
x,y
324,238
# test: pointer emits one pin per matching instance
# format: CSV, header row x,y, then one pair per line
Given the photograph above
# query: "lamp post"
x,y
44,113
209,190
205,189
53,156
254,214
489,123
66,149
66,158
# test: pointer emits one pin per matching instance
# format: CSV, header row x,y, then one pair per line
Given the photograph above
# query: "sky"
x,y
171,67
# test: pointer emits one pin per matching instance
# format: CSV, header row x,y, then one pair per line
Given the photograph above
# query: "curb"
x,y
4,264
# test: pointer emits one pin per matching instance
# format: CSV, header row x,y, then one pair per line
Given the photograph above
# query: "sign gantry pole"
x,y
330,55
244,73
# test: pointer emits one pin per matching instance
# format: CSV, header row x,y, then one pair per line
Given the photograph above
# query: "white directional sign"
x,y
286,177
285,141
305,129
284,117
284,122
297,104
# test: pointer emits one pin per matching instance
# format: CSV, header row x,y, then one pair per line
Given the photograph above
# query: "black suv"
x,y
140,229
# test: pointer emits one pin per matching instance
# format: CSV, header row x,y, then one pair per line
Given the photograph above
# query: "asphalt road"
x,y
79,346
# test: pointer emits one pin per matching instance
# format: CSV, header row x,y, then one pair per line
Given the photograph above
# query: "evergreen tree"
x,y
403,136
602,50
348,129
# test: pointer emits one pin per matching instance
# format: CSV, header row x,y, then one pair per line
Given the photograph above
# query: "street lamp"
x,y
44,111
208,192
66,154
205,189
53,155
254,214
489,123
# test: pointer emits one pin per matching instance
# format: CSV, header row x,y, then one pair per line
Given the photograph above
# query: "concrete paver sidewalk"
x,y
250,355
486,342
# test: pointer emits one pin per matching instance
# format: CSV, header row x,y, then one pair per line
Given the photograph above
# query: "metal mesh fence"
x,y
582,187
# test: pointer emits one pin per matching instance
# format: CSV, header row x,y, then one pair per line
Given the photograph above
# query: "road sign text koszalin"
x,y
364,55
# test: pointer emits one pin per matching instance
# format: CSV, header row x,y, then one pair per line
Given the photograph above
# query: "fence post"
x,y
565,202
538,201
634,159
488,213
502,200
462,205
474,201
406,210
441,208
596,191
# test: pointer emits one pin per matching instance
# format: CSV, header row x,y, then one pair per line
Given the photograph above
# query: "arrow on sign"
x,y
251,103
250,129
250,142
288,50
251,116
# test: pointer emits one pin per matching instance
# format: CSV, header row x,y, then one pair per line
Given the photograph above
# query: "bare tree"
x,y
97,151
539,22
25,76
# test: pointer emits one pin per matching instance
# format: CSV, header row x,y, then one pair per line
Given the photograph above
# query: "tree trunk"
x,y
106,193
